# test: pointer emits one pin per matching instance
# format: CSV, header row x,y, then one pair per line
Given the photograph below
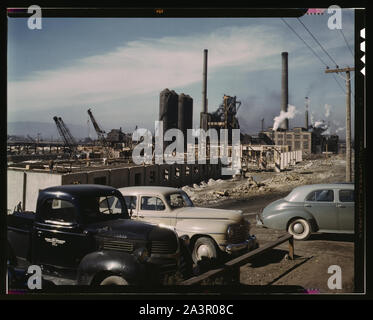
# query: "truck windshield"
x,y
179,200
96,209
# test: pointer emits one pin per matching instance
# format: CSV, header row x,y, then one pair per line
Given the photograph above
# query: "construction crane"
x,y
65,134
100,134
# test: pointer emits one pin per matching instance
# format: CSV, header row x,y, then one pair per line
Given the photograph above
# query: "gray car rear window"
x,y
346,195
321,196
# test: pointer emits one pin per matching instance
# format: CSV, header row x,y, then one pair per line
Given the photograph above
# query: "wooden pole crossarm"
x,y
339,70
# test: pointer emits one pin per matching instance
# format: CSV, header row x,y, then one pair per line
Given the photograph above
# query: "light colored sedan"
x,y
211,231
327,208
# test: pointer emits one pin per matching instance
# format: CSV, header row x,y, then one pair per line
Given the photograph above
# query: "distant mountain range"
x,y
46,130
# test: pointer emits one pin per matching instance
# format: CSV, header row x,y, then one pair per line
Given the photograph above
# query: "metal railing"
x,y
231,269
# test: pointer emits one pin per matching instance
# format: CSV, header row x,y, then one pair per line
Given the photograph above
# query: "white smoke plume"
x,y
327,110
320,124
290,114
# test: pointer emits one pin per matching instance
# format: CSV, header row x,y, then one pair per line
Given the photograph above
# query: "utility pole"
x,y
348,118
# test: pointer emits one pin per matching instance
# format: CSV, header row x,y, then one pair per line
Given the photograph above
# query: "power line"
x,y
347,43
339,85
318,42
313,51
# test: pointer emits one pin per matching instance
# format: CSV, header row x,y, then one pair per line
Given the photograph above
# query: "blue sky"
x,y
118,67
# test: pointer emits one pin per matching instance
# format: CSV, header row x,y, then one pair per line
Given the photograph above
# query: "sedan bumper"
x,y
249,244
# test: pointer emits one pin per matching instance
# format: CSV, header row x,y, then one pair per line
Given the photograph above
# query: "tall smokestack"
x,y
204,85
306,115
204,115
284,89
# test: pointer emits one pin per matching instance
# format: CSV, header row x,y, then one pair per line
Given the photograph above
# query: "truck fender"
x,y
96,265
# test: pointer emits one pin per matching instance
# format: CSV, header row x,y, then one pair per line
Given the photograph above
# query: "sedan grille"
x,y
240,233
162,247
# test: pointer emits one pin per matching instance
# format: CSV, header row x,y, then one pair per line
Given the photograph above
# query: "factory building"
x,y
296,139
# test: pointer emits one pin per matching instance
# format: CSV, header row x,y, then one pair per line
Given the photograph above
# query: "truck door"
x,y
57,239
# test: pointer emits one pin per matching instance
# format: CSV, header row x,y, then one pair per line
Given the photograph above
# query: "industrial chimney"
x,y
284,90
306,114
204,114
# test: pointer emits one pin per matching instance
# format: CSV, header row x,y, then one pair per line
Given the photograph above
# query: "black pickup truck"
x,y
76,236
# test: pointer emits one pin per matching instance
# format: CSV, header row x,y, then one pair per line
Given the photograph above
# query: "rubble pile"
x,y
250,184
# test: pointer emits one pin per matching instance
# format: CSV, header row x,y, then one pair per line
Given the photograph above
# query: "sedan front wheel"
x,y
300,229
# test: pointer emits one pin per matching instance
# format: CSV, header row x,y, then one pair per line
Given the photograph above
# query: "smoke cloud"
x,y
290,114
327,110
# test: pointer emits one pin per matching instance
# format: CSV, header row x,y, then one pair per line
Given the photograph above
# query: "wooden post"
x,y
291,248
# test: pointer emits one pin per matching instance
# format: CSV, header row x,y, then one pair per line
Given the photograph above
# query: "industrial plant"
x,y
34,164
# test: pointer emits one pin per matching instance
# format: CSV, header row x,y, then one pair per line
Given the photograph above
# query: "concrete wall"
x,y
98,177
24,186
164,175
15,182
151,175
137,176
75,178
119,177
36,181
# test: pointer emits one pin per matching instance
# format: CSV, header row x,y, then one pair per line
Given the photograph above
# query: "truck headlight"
x,y
141,254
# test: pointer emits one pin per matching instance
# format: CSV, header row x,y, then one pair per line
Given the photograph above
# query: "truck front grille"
x,y
124,246
162,247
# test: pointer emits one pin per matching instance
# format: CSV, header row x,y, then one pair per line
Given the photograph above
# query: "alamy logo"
x,y
335,21
169,147
35,280
34,22
335,281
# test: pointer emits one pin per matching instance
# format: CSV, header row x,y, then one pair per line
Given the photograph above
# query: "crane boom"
x,y
65,134
100,134
99,131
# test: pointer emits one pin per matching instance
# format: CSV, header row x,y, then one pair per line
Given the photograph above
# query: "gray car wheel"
x,y
300,229
204,248
114,281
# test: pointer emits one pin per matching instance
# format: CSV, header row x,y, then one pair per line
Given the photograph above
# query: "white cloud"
x,y
147,66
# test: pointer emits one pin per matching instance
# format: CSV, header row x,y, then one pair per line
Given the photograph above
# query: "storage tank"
x,y
168,109
185,113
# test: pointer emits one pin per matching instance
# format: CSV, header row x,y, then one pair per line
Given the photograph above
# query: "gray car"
x,y
327,208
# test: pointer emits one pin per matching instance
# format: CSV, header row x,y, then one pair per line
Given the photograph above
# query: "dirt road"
x,y
313,257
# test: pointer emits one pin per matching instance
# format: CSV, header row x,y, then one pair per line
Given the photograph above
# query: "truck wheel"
x,y
114,281
204,249
300,229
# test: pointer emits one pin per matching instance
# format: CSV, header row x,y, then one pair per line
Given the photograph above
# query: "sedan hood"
x,y
208,213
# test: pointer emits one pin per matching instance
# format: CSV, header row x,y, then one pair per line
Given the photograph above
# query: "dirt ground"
x,y
313,257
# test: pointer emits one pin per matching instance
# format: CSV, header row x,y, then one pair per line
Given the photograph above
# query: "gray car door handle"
x,y
141,216
307,205
340,206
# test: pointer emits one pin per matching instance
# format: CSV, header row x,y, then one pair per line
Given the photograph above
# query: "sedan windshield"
x,y
179,200
96,209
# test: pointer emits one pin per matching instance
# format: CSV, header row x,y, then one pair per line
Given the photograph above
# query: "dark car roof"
x,y
82,189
